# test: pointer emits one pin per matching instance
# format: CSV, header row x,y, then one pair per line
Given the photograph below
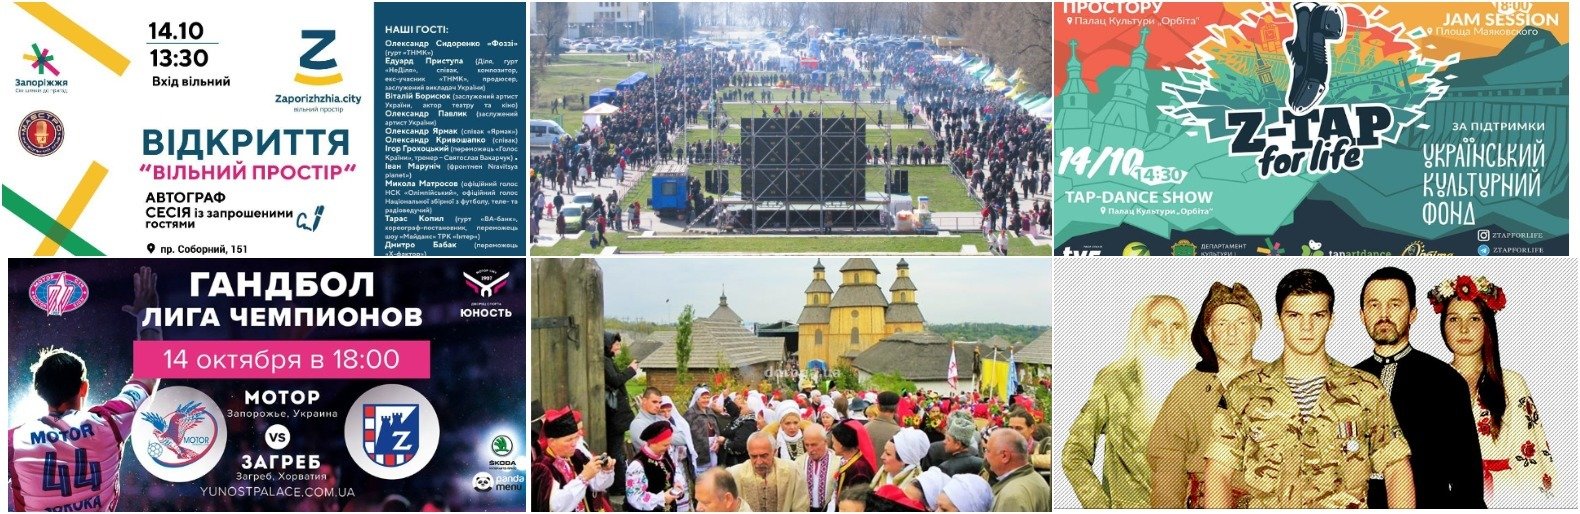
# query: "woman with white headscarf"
x,y
828,416
927,486
704,429
683,454
788,432
902,458
966,493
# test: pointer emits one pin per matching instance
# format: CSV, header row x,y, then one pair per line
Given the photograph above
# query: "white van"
x,y
544,132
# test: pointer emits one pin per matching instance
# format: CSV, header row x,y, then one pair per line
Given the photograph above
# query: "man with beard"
x,y
767,482
1428,397
1125,399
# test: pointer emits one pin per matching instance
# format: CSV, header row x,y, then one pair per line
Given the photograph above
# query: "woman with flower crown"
x,y
1517,463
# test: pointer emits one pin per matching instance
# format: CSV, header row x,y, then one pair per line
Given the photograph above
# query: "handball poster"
x,y
274,385
1371,128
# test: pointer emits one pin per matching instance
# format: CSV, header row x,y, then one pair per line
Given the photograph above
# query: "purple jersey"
x,y
73,462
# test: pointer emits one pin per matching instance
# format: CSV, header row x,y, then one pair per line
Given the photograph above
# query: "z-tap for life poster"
x,y
1280,128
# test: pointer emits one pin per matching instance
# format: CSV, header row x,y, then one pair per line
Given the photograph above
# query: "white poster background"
x,y
104,116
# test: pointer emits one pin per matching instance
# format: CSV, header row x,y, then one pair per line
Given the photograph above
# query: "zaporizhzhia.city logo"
x,y
1307,88
321,72
58,293
390,433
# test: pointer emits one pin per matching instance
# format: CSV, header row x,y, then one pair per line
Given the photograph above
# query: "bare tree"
x,y
795,15
1013,35
552,18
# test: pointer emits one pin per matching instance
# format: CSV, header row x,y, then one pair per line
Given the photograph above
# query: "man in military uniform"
x,y
1307,431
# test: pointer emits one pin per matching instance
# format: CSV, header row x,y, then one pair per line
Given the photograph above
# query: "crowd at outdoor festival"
x,y
999,151
732,449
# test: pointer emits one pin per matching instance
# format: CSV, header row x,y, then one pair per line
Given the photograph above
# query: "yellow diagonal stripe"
x,y
318,81
77,35
74,206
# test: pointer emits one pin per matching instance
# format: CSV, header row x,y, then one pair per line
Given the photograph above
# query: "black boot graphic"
x,y
1315,26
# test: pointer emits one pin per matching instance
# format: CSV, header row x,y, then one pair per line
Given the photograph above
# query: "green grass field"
x,y
801,245
945,192
579,75
891,116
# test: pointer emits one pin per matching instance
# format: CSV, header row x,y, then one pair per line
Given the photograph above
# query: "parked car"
x,y
573,219
584,200
544,132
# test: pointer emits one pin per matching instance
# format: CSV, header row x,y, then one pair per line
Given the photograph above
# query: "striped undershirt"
x,y
1306,392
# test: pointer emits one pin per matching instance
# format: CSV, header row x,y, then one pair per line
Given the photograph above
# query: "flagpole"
x,y
1012,377
995,359
953,373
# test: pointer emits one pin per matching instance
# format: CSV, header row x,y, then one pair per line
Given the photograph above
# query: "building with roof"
x,y
717,340
1033,361
836,325
904,315
724,312
1037,352
921,357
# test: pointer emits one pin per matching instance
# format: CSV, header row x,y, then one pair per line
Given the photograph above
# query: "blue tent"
x,y
631,81
604,95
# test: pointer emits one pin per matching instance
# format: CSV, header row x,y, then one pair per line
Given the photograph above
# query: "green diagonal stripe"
x,y
46,225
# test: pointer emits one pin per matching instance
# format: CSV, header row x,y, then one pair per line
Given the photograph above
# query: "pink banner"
x,y
298,359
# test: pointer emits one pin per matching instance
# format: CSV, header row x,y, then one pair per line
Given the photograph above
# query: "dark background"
x,y
477,384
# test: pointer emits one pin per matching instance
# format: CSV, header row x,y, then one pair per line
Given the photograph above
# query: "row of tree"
x,y
985,331
1016,35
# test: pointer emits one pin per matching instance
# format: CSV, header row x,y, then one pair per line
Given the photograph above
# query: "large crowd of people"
x,y
802,450
998,150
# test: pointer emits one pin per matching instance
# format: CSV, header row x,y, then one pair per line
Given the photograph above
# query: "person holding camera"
x,y
565,477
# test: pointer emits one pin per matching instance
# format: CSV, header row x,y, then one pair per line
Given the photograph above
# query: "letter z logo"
x,y
310,60
400,441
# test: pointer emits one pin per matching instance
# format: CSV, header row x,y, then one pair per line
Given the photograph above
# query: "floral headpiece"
x,y
1465,288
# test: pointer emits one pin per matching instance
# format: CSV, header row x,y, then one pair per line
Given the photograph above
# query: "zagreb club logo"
x,y
392,432
486,282
179,435
58,293
41,133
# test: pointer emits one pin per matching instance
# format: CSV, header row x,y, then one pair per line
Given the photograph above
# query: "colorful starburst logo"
x,y
42,60
1271,248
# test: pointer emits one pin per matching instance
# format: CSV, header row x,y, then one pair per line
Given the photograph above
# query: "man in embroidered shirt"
x,y
817,466
1428,396
767,482
1305,431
